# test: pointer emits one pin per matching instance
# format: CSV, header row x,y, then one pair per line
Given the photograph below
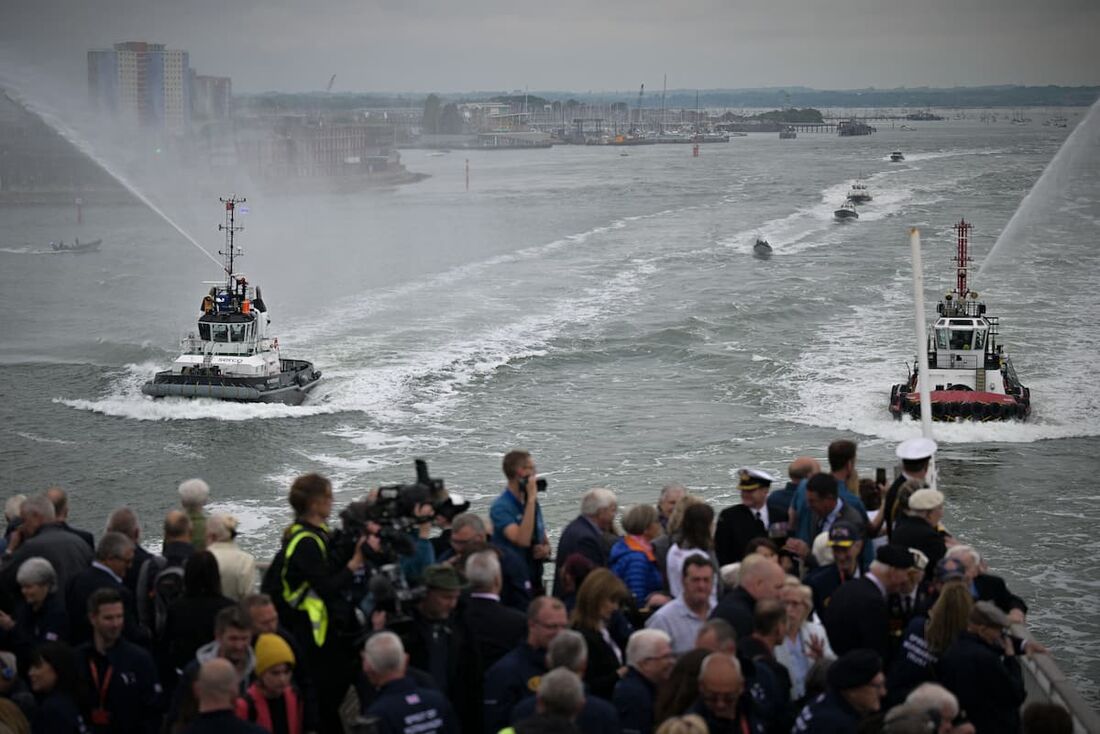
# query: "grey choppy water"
x,y
603,311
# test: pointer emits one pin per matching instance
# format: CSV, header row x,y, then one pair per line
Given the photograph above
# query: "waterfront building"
x,y
142,84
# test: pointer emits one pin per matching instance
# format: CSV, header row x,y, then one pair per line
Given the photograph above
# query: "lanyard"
x,y
101,689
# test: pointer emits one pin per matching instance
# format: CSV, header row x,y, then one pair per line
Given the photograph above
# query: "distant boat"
x,y
787,133
76,247
762,249
859,193
896,156
846,211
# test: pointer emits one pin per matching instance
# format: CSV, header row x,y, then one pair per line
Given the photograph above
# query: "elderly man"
x,y
670,495
558,703
779,501
920,528
194,494
717,635
740,523
60,500
721,702
649,660
124,520
401,707
515,676
858,615
916,456
856,687
684,616
217,687
113,557
846,543
39,535
585,534
761,578
496,628
469,535
236,567
987,587
982,669
934,697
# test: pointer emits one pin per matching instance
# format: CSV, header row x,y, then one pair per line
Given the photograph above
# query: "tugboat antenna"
x,y
962,257
230,227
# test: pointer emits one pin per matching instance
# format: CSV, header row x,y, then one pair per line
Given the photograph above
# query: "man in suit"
x,y
920,527
585,535
125,521
987,587
916,457
60,502
738,524
496,628
858,615
39,535
113,557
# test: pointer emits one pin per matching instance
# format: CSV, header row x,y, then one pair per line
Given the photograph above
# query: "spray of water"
x,y
1052,183
65,131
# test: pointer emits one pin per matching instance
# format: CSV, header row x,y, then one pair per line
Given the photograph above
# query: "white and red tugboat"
x,y
970,376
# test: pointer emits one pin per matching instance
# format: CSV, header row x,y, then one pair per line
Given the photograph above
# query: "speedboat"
x,y
234,356
762,249
846,211
859,193
969,375
896,156
76,247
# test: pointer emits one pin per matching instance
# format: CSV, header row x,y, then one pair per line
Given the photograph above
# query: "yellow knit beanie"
x,y
272,650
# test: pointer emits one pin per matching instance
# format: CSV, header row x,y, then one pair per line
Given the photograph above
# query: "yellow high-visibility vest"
x,y
303,598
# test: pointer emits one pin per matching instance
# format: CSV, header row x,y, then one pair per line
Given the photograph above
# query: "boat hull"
x,y
843,215
962,405
294,382
762,251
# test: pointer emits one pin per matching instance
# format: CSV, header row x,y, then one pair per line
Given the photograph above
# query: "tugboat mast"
x,y
230,227
962,258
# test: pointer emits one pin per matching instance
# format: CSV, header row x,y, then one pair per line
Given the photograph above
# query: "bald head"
x,y
720,684
60,502
761,577
802,467
177,526
217,685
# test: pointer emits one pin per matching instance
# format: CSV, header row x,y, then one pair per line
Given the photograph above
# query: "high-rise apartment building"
x,y
143,84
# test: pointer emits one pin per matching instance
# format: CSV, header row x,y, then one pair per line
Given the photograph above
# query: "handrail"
x,y
1055,687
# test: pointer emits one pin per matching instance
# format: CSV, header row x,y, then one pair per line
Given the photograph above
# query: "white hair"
x,y
644,644
468,519
731,574
561,693
567,650
934,696
217,527
39,505
11,507
385,653
194,493
595,500
483,570
672,489
37,571
965,550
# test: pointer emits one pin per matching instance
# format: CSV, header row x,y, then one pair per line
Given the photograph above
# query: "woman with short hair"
x,y
806,642
39,616
632,558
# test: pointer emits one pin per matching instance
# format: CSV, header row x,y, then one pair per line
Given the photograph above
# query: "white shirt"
x,y
762,515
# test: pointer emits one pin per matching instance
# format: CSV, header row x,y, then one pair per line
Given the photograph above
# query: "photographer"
x,y
517,517
307,579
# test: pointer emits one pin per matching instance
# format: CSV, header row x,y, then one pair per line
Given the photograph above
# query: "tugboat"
x,y
846,212
762,250
77,246
970,376
859,193
897,157
234,357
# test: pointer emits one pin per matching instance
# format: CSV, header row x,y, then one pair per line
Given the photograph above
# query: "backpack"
x,y
159,584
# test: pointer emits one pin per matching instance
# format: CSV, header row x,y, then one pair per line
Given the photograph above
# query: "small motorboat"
x,y
859,193
762,250
846,212
788,133
896,156
76,247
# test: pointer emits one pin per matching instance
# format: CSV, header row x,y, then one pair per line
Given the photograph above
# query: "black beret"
x,y
894,555
855,668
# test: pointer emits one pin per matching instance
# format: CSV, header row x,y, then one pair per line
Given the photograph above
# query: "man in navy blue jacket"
x,y
401,706
649,659
585,535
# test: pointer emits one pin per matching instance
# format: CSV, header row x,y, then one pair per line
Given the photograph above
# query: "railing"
x,y
1046,682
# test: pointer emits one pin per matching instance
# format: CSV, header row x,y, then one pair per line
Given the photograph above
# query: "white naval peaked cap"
x,y
926,499
915,449
749,478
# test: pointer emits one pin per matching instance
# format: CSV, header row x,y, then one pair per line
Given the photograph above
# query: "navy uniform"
x,y
830,712
911,450
739,524
633,698
858,616
403,708
596,717
513,678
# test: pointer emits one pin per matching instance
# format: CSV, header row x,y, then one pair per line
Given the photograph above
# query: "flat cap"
x,y
894,555
853,669
442,576
926,499
749,479
989,614
915,449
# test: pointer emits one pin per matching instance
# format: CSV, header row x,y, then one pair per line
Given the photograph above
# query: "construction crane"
x,y
331,79
638,109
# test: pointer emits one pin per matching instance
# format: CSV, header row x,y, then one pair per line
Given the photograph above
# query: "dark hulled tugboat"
x,y
970,376
233,357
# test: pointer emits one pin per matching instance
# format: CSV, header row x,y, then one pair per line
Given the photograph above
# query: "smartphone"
x,y
880,475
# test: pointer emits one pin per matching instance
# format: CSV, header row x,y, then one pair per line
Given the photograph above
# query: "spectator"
x,y
919,528
987,587
271,701
13,688
40,614
779,501
824,501
12,507
113,556
805,644
517,517
690,724
716,635
982,669
56,685
559,700
768,631
217,686
842,465
856,688
121,676
515,676
846,543
469,535
663,544
916,455
649,659
1046,718
236,567
721,703
496,628
632,558
695,537
740,523
670,495
60,502
574,571
125,521
178,533
585,534
934,697
39,535
683,617
597,600
760,579
927,639
401,706
259,611
858,616
190,623
681,690
194,493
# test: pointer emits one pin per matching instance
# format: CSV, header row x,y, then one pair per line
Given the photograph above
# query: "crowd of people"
x,y
826,605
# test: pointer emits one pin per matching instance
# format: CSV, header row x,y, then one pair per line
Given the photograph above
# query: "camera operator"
x,y
517,517
307,580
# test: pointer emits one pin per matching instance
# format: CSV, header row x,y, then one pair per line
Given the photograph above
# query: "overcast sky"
x,y
582,45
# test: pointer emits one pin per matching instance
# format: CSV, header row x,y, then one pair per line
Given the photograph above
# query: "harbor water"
x,y
605,312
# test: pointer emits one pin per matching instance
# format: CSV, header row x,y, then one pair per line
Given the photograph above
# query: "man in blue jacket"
x,y
650,660
856,687
401,706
